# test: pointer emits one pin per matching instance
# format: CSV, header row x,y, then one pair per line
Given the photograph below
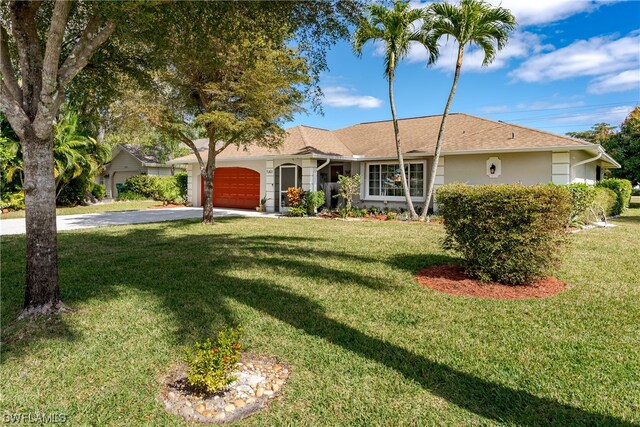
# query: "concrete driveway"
x,y
74,222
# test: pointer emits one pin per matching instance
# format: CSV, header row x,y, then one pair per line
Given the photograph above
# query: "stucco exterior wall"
x,y
585,173
160,171
526,168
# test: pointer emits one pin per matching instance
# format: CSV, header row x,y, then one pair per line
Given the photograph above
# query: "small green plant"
x,y
348,189
210,364
313,200
391,216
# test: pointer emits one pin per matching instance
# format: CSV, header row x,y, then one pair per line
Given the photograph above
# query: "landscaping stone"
x,y
259,380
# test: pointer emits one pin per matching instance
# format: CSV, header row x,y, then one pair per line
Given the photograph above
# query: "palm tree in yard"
x,y
396,28
472,22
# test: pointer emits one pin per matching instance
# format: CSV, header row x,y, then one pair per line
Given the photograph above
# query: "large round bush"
x,y
511,234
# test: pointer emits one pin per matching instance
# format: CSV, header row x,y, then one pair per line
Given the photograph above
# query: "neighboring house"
x,y
128,160
475,151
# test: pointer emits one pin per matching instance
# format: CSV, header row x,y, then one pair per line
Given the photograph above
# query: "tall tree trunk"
x,y
207,203
42,294
436,156
396,132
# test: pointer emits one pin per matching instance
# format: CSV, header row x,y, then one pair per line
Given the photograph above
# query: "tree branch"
x,y
52,53
92,38
12,109
23,26
189,143
6,68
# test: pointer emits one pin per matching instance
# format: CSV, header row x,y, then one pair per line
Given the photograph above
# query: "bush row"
x,y
506,233
167,189
591,203
622,188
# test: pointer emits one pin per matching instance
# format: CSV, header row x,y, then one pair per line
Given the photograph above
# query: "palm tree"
x,y
472,22
397,29
74,153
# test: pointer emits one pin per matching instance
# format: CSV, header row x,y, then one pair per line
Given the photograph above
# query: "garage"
x,y
235,188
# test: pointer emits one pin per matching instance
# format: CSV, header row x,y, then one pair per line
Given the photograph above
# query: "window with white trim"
x,y
385,180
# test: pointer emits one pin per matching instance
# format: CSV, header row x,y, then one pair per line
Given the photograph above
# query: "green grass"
x,y
338,302
99,208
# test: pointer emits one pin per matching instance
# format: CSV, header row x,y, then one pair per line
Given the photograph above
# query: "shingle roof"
x,y
464,132
147,155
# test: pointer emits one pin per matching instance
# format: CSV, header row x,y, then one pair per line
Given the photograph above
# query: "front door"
x,y
288,179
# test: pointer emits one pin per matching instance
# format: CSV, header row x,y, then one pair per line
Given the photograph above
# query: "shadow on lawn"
x,y
198,273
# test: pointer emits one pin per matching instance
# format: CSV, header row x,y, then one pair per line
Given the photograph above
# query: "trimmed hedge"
x,y
582,199
603,204
622,187
506,233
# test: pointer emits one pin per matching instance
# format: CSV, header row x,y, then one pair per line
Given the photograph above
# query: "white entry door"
x,y
288,179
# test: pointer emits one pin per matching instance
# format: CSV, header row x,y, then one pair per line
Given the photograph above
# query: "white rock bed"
x,y
259,380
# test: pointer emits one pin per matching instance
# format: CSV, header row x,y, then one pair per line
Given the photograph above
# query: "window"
x,y
385,179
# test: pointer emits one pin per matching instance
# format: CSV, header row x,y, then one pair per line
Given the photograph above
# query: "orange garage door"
x,y
235,188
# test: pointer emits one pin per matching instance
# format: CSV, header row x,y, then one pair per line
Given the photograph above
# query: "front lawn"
x,y
337,302
97,208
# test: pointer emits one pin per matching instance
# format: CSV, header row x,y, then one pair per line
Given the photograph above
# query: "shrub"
x,y
348,189
295,196
506,233
313,200
182,179
143,185
98,191
167,190
74,193
129,196
582,198
12,201
603,204
622,188
210,364
391,215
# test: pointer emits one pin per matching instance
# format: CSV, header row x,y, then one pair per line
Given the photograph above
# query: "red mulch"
x,y
453,280
168,206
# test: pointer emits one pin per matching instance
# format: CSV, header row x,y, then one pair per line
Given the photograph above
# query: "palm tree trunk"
x,y
396,131
436,156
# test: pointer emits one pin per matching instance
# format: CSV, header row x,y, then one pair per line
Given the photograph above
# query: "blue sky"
x,y
569,64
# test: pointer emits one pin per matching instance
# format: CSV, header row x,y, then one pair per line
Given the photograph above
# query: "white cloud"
x,y
593,57
537,12
613,115
532,106
341,97
620,82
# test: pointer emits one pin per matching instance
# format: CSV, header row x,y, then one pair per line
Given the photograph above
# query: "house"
x,y
475,151
128,160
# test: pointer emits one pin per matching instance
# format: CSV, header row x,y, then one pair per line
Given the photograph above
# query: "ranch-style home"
x,y
475,151
128,160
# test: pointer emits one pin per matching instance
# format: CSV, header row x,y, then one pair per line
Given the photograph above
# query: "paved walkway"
x,y
74,222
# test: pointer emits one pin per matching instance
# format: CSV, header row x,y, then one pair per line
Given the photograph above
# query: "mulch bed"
x,y
453,280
